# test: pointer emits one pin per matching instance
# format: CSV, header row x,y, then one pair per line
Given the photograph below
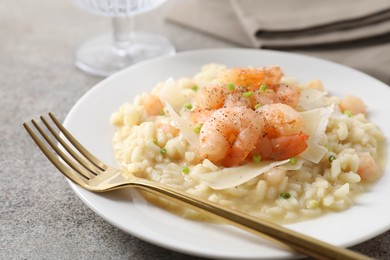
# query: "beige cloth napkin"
x,y
285,24
299,23
201,15
342,31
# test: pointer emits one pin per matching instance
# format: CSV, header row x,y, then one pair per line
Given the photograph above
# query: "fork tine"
x,y
87,165
65,170
77,145
61,154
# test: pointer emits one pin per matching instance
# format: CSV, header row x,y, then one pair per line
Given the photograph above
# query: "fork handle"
x,y
297,241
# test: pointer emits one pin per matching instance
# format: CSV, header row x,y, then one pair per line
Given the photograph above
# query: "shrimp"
x,y
283,133
252,78
169,129
237,98
277,93
214,97
368,168
286,94
218,96
200,116
233,134
354,104
211,97
153,104
229,135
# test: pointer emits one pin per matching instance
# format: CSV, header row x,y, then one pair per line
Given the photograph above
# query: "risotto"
x,y
253,140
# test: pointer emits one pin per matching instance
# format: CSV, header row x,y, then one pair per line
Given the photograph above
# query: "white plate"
x,y
89,122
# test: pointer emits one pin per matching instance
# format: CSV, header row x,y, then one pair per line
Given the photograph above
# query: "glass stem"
x,y
122,27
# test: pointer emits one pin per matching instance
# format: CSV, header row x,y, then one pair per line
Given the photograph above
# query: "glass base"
x,y
100,57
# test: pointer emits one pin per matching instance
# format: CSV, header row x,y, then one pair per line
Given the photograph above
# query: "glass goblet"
x,y
109,53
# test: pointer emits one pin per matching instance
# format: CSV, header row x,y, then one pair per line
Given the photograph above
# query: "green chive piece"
x,y
332,158
188,106
348,113
263,87
195,88
163,151
285,195
230,86
257,106
185,170
312,204
197,128
256,158
155,142
293,160
162,113
247,94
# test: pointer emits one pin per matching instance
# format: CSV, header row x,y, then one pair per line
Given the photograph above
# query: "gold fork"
x,y
84,169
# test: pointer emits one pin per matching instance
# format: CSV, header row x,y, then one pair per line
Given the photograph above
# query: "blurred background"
x,y
38,40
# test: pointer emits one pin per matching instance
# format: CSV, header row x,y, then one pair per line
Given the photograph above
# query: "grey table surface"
x,y
40,216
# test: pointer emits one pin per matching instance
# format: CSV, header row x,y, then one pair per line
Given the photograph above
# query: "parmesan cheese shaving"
x,y
316,121
234,176
311,98
185,128
292,167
